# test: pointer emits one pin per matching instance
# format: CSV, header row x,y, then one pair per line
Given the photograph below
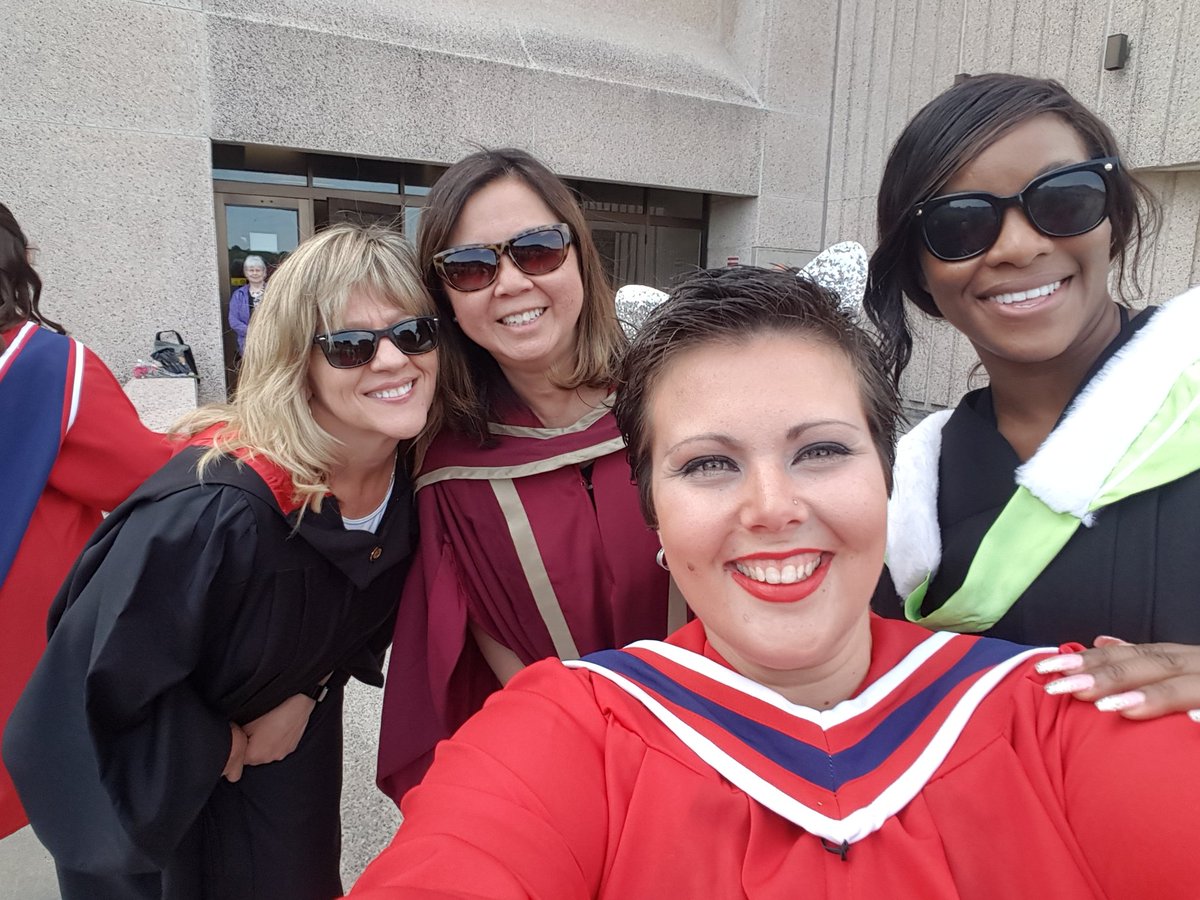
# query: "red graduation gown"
x,y
105,452
514,537
566,786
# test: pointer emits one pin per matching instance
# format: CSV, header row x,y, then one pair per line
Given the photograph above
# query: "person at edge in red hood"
x,y
71,447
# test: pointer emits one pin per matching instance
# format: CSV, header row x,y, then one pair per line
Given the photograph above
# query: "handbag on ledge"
x,y
175,356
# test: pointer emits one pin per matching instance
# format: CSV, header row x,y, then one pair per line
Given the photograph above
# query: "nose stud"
x,y
795,502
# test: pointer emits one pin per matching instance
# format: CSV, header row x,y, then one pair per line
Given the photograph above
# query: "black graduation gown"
x,y
1134,574
195,605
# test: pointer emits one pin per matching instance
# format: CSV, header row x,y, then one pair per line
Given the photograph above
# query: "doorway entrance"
x,y
253,225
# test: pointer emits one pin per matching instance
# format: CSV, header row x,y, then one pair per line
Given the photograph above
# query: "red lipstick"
x,y
781,593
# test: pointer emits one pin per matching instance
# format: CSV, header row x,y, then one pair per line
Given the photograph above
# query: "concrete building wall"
x,y
106,163
893,57
782,111
115,103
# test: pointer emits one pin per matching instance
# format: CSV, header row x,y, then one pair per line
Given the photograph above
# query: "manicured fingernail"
x,y
1109,639
1064,663
1070,684
1194,715
1117,702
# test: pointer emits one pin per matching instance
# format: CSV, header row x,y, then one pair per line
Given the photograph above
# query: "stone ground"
x,y
369,819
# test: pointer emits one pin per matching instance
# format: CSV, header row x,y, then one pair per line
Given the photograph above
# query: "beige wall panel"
x,y
732,222
801,43
651,46
1182,126
1172,263
900,71
851,108
105,63
1154,47
424,106
795,162
125,223
1086,77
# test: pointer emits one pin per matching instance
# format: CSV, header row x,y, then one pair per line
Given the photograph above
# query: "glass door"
x,y
250,225
623,251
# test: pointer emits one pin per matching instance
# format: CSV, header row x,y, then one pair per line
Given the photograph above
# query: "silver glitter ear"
x,y
635,302
842,269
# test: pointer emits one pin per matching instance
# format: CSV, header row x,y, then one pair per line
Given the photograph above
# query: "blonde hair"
x,y
307,295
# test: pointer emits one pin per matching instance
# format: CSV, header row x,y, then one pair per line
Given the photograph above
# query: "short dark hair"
x,y
733,305
20,286
949,132
469,379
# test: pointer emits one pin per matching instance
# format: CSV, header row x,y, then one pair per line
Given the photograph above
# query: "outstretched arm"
x,y
514,806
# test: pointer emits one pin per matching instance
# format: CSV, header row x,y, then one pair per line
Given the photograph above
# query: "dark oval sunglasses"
x,y
535,251
1064,203
356,347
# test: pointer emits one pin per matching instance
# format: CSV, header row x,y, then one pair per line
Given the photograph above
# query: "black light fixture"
x,y
1116,52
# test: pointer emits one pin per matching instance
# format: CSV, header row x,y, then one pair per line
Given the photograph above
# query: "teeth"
x,y
523,318
392,393
1031,294
789,574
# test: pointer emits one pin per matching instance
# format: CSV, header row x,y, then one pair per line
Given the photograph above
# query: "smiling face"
x,y
370,408
255,274
1029,298
526,322
772,506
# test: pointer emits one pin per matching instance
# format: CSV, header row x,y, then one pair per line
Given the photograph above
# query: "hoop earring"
x,y
661,558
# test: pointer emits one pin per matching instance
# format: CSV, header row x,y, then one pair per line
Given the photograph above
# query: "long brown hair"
x,y
470,380
20,285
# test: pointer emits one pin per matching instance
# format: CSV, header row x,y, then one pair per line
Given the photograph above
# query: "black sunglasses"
x,y
1064,203
356,347
535,251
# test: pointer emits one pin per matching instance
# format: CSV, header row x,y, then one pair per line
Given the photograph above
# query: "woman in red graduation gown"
x,y
71,447
531,541
182,735
788,743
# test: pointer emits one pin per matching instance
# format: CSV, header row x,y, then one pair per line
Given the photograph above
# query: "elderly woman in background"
x,y
787,743
182,735
246,298
71,446
531,544
1061,501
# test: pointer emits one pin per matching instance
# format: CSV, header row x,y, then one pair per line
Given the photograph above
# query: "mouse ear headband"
x,y
841,269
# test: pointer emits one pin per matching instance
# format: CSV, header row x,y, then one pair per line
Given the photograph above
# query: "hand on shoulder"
x,y
1139,681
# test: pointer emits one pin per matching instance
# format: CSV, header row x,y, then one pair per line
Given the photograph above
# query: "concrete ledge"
x,y
161,401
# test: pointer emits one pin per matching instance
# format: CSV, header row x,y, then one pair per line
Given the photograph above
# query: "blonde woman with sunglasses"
x,y
181,736
531,541
1060,502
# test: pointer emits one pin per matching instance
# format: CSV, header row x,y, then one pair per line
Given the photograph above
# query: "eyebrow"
x,y
1049,167
1061,164
793,433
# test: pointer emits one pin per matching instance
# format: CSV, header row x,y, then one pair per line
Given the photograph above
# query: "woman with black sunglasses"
x,y
1060,502
182,735
532,544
